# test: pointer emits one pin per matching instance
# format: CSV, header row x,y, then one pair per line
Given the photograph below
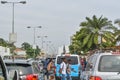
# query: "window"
x,y
1,71
109,63
74,59
3,74
22,68
36,67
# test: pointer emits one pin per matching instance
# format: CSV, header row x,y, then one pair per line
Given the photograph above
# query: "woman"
x,y
50,69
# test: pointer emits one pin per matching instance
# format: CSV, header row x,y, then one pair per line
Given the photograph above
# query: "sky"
x,y
59,19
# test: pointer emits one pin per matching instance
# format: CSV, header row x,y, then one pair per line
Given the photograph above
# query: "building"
x,y
4,51
19,51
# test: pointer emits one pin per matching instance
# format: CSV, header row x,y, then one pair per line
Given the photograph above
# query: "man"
x,y
63,68
68,70
45,64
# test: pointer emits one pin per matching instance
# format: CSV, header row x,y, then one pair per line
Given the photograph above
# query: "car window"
x,y
36,67
22,68
1,72
74,59
109,63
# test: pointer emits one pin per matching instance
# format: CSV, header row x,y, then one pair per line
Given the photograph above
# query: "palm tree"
x,y
117,21
117,31
92,29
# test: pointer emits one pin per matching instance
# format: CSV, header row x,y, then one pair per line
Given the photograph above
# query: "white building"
x,y
19,51
4,51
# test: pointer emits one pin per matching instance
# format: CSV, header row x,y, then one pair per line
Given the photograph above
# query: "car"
x,y
4,75
103,66
75,65
27,69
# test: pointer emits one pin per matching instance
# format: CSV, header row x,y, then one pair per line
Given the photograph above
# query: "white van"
x,y
103,66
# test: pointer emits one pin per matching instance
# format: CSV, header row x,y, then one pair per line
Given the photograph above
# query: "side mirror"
x,y
13,75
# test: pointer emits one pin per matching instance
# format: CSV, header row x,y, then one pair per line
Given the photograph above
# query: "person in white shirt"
x,y
63,67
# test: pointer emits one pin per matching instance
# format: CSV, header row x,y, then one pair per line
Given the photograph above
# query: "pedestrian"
x,y
50,70
68,70
85,63
63,68
82,63
46,62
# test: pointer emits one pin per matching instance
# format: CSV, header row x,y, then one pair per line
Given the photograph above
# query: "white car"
x,y
103,66
4,74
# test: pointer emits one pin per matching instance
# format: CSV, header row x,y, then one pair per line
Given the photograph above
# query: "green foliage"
x,y
87,36
3,42
26,46
7,44
31,53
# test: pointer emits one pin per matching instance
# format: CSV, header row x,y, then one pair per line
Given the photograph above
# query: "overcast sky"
x,y
59,19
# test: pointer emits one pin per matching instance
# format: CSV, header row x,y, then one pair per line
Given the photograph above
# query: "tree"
x,y
7,44
91,30
37,51
3,42
117,31
30,51
117,21
25,46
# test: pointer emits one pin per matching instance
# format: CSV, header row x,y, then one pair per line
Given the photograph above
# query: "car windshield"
x,y
23,69
109,63
74,59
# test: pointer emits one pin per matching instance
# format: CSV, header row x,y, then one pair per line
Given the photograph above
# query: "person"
x,y
68,70
63,68
81,62
85,63
50,70
45,64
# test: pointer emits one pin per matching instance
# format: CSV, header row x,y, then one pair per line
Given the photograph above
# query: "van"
x,y
103,66
75,65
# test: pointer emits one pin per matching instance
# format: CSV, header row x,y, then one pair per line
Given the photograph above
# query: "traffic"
x,y
98,66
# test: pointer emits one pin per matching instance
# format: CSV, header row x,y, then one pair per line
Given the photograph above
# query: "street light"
x,y
13,3
34,31
12,35
34,44
42,37
47,45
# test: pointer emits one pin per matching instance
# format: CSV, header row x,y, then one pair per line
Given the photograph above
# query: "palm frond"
x,y
86,39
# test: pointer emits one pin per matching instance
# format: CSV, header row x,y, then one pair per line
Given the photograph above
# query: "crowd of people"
x,y
65,68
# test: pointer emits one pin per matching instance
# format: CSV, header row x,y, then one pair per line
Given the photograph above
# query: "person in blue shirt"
x,y
46,62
